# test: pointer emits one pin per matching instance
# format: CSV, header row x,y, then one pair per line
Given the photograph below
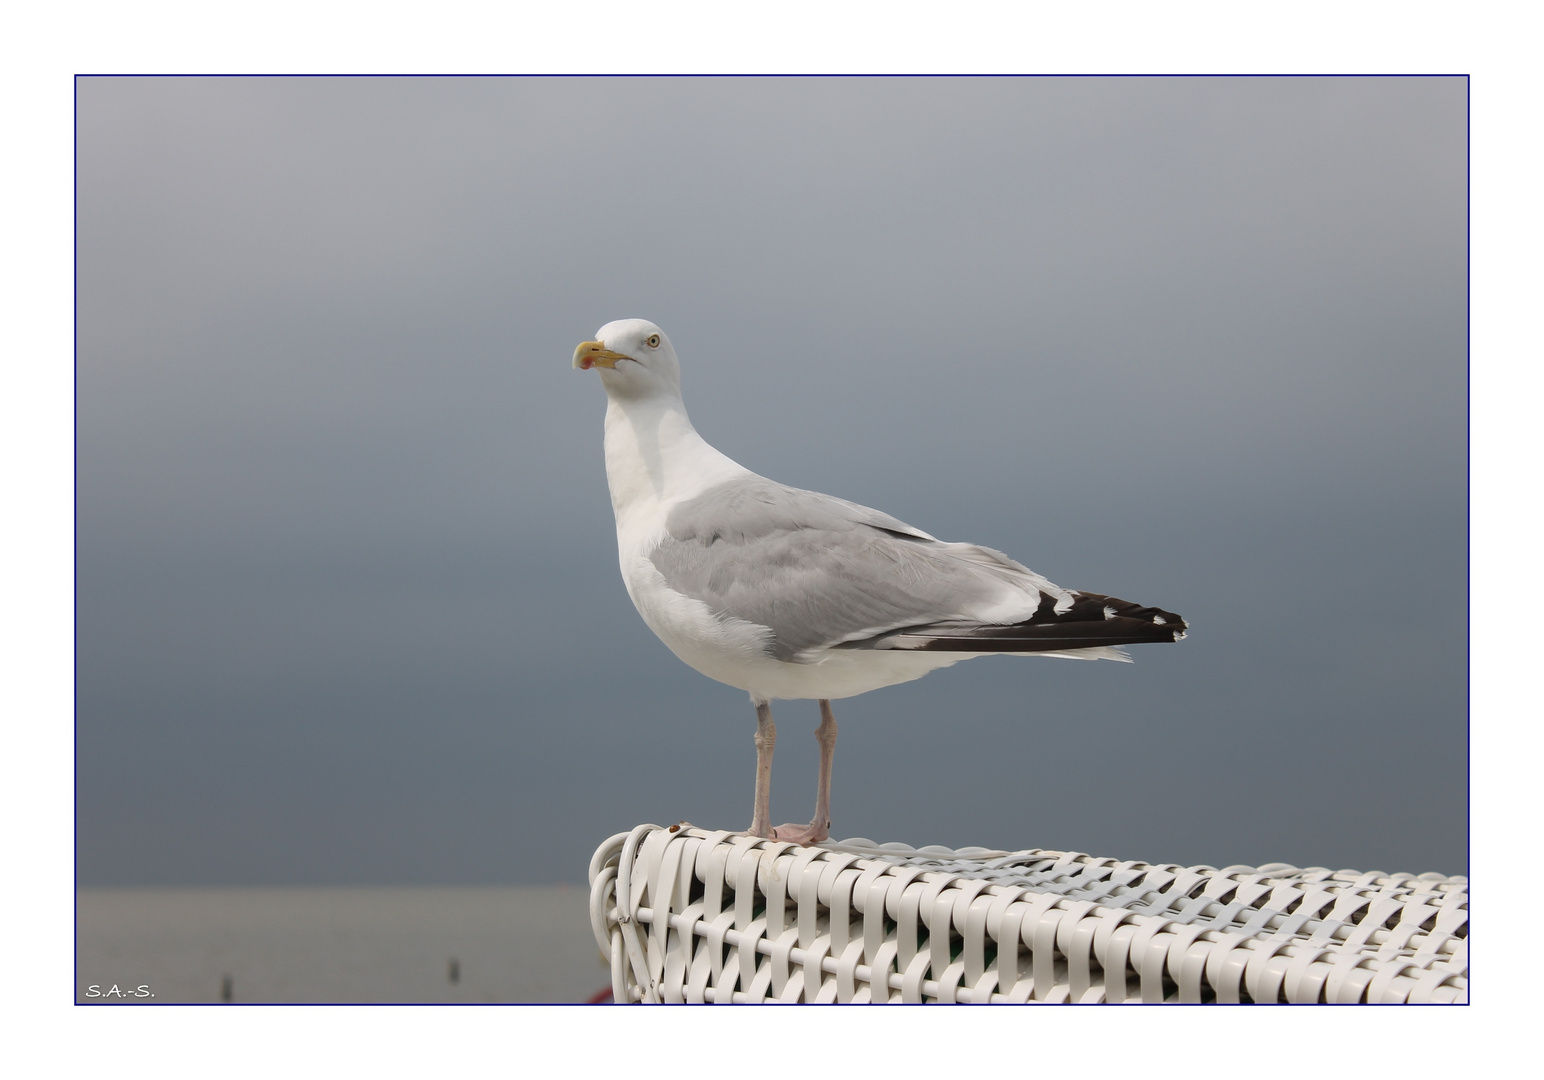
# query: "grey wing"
x,y
820,571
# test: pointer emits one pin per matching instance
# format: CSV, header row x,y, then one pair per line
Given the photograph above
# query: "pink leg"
x,y
766,739
819,827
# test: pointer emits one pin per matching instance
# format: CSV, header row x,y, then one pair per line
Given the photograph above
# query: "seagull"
x,y
791,594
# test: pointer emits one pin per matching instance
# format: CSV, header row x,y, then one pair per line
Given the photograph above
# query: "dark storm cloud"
x,y
349,607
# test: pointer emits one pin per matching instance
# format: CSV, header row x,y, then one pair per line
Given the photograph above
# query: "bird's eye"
x,y
652,341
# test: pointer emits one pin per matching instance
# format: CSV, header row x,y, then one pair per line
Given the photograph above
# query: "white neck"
x,y
655,459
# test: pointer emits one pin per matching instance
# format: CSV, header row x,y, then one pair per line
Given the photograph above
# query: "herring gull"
x,y
786,593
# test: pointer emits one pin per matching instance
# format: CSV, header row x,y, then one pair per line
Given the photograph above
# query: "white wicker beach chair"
x,y
687,915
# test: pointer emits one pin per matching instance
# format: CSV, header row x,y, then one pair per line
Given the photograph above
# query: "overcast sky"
x,y
349,608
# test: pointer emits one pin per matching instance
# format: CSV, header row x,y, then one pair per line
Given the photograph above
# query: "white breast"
x,y
655,460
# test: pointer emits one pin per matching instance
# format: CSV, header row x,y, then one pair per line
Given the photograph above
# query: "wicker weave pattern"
x,y
690,915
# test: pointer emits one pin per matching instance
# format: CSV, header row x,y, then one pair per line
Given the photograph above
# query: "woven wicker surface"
x,y
690,915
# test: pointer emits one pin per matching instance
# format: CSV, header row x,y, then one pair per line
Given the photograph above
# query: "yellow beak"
x,y
593,354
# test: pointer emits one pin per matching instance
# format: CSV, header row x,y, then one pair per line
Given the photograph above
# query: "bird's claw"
x,y
803,835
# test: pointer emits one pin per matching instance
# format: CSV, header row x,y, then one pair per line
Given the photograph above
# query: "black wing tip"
x,y
1011,639
1092,621
1087,605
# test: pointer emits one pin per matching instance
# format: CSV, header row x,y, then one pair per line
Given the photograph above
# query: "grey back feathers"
x,y
822,572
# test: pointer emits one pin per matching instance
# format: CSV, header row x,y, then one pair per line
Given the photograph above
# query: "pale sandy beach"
x,y
467,945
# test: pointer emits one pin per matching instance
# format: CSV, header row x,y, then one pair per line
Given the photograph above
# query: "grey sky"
x,y
348,600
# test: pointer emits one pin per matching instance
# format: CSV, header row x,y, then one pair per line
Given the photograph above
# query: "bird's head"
x,y
634,357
